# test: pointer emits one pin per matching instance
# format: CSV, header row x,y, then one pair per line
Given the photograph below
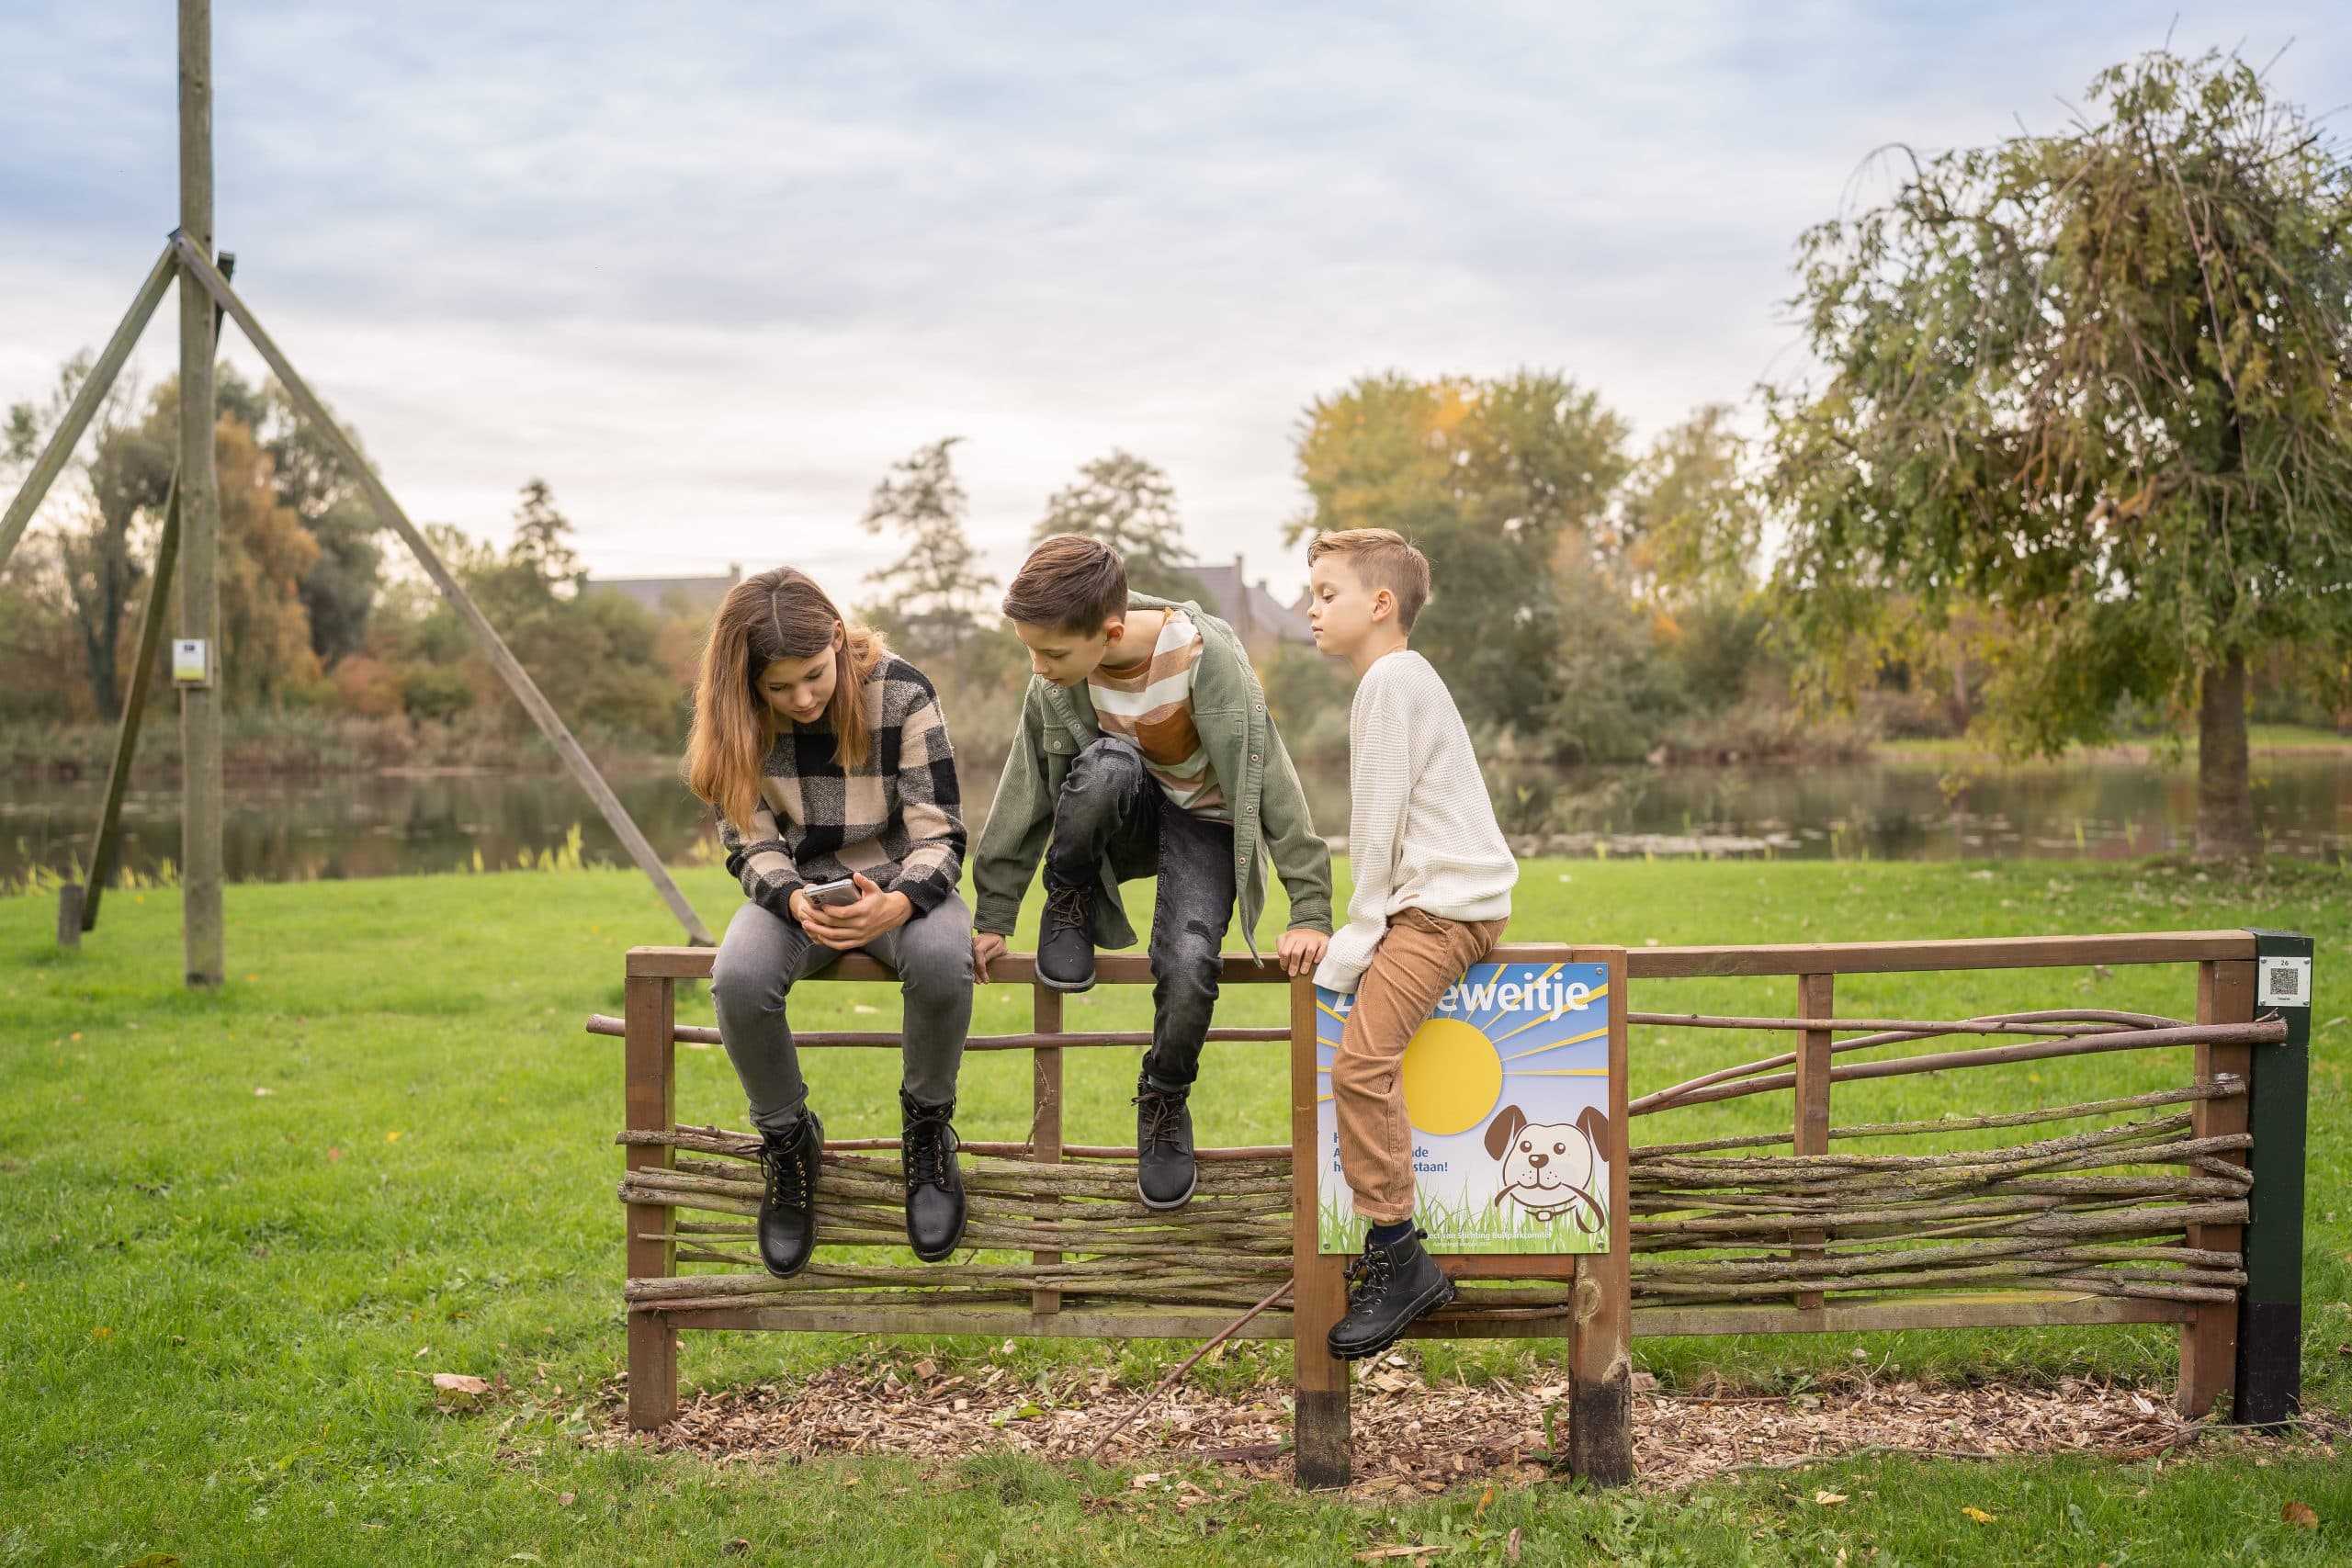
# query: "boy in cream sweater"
x,y
1432,890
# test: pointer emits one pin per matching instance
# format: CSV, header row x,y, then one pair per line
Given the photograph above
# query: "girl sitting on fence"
x,y
827,760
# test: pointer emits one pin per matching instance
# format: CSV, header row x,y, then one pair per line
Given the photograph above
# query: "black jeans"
x,y
1112,812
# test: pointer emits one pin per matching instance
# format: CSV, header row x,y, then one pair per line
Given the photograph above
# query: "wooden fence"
x,y
2179,1205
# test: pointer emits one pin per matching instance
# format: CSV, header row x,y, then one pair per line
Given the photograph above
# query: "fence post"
x,y
649,1024
1816,997
1045,1113
1319,1285
2270,1309
2209,1339
1600,1359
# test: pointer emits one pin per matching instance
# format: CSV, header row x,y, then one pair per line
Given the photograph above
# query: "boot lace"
x,y
928,1140
787,1179
1163,1121
1065,910
1369,1277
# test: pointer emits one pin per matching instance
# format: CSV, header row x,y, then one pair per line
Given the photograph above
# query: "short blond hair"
x,y
1381,557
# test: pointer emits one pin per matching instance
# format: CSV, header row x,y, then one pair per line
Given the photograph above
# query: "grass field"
x,y
239,1231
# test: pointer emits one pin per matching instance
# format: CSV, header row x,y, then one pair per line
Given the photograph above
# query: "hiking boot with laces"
x,y
788,1198
1165,1174
1065,939
934,1186
1389,1287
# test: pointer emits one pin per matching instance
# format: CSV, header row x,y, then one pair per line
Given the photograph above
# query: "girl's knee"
x,y
743,987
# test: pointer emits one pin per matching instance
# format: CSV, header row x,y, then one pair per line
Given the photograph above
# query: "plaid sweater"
x,y
896,818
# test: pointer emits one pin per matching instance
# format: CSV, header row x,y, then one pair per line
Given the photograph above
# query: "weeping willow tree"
x,y
2092,387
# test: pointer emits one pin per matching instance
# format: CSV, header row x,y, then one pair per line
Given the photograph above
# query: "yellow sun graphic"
x,y
1452,1076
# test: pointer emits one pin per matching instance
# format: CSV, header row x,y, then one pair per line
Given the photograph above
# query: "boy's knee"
x,y
1114,759
1367,1078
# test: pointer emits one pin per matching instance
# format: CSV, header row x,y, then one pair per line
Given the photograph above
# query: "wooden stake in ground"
x,y
526,691
200,913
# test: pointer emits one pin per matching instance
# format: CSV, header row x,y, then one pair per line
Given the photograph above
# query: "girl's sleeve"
x,y
931,806
761,863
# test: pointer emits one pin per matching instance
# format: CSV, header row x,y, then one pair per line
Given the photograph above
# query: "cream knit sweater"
x,y
1421,833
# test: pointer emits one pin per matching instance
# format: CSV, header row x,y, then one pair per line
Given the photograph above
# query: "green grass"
x,y
1490,1227
220,1308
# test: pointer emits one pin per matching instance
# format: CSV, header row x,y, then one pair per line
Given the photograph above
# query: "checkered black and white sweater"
x,y
898,819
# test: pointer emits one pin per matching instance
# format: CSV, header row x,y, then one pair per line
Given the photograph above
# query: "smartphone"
x,y
833,895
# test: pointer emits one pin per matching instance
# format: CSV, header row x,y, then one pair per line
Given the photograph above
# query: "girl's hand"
x,y
855,925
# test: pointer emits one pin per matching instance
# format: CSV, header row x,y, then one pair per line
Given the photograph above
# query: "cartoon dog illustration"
x,y
1550,1168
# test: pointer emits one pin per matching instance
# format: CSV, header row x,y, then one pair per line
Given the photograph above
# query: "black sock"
x,y
1389,1235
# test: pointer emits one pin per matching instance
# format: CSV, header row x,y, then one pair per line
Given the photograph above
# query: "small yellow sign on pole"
x,y
191,661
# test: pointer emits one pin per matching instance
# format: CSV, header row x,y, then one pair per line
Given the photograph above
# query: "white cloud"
x,y
710,270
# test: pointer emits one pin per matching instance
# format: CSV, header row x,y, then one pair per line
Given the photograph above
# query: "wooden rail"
x,y
2024,1244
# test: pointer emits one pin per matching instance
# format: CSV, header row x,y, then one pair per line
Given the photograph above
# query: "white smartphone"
x,y
833,895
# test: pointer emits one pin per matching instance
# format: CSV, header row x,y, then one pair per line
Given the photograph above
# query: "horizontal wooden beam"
x,y
1921,957
1641,963
1956,1309
703,1034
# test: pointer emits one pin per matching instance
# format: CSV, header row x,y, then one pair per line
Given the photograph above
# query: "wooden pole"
x,y
1815,997
203,936
2209,1341
108,847
1600,1360
1318,1284
517,679
652,1006
1045,1113
84,406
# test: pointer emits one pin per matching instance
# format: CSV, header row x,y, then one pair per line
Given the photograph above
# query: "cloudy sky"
x,y
711,270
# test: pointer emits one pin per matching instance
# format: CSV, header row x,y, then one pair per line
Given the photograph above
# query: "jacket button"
x,y
1253,756
1248,811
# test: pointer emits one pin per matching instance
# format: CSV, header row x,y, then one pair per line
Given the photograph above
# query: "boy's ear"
x,y
1383,603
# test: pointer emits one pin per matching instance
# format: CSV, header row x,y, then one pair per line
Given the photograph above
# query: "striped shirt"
x,y
898,818
1152,705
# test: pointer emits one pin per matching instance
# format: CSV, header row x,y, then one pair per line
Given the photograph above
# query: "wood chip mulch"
x,y
1408,1436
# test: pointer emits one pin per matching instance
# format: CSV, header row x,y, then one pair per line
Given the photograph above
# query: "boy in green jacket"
x,y
1144,750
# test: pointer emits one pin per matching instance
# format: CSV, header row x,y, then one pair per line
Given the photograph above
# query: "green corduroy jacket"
x,y
1260,786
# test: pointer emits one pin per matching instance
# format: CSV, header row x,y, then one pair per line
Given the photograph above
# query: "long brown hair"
x,y
777,615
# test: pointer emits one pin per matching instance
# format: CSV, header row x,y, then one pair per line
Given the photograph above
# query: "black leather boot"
x,y
1165,1174
1065,939
1389,1287
788,1204
934,1186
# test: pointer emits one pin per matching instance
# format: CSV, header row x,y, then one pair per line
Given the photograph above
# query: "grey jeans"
x,y
762,955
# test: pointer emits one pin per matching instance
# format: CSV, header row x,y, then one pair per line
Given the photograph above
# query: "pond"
x,y
383,824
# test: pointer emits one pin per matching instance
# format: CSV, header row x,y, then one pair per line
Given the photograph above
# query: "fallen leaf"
x,y
102,1334
565,1499
737,1547
1979,1516
2303,1516
1830,1499
459,1382
1022,1412
1511,1544
392,1137
1485,1501
335,1156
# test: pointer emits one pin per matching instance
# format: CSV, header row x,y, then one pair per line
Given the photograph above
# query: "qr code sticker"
x,y
2286,982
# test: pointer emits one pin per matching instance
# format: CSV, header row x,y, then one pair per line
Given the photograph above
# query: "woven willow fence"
x,y
2104,1211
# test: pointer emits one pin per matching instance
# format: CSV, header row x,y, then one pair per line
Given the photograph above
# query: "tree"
x,y
1499,482
1130,505
339,590
2094,384
1691,526
936,588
